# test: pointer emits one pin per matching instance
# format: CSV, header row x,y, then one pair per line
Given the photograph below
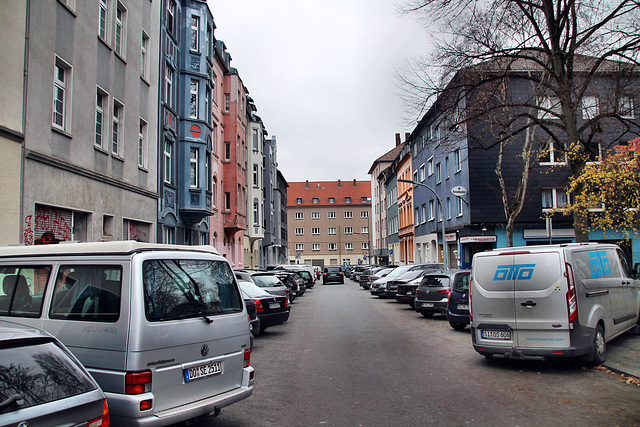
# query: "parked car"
x,y
392,285
406,285
162,328
306,276
348,270
332,274
552,300
272,310
373,274
266,280
432,294
254,320
379,287
292,281
458,305
297,267
357,271
42,383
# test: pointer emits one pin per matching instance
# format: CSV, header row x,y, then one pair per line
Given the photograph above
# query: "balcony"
x,y
234,222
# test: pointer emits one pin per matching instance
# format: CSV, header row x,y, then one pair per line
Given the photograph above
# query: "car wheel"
x,y
427,314
412,304
598,347
458,326
263,328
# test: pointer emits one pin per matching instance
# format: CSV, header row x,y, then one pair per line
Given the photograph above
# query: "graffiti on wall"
x,y
49,226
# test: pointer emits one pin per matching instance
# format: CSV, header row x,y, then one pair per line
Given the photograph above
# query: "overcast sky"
x,y
321,75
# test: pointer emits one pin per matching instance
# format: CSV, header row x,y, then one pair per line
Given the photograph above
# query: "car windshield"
x,y
461,282
436,281
399,271
37,374
266,280
182,288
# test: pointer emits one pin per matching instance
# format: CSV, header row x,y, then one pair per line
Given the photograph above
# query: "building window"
x,y
364,214
438,173
168,163
590,107
168,87
332,230
254,139
347,199
299,231
625,107
61,95
208,41
227,200
168,235
299,215
415,176
142,143
103,22
298,200
299,246
331,215
171,16
121,25
193,99
193,168
432,210
256,215
459,211
554,198
446,167
348,230
348,246
315,246
365,199
457,163
195,31
365,246
315,215
101,99
448,207
227,102
214,191
333,246
332,200
315,231
423,213
117,126
549,108
550,153
315,201
364,230
227,150
348,214
144,57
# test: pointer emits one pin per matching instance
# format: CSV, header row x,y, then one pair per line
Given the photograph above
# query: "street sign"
x,y
459,191
364,255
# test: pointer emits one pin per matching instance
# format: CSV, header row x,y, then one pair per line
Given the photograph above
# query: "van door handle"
x,y
528,304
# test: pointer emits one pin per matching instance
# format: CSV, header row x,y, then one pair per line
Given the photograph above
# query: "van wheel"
x,y
598,348
458,326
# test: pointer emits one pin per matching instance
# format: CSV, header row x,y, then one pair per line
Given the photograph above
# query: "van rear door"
x,y
541,310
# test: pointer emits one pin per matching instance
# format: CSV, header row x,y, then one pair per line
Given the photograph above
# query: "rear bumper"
x,y
389,294
457,317
405,299
438,306
271,319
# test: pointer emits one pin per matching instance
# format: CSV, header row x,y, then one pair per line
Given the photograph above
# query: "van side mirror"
x,y
636,270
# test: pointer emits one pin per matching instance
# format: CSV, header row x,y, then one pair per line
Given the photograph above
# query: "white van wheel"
x,y
599,347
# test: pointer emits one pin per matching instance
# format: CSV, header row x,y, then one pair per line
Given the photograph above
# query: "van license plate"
x,y
463,306
427,304
273,305
496,335
202,371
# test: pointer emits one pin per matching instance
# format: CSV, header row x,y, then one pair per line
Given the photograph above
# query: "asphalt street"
x,y
346,358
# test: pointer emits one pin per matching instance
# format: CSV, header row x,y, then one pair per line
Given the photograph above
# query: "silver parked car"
x,y
42,383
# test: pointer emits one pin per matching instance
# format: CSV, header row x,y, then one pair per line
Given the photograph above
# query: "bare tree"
x,y
565,48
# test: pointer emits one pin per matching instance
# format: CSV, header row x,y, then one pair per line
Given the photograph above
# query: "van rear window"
x,y
180,289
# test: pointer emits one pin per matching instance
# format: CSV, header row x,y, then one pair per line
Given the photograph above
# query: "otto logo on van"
x,y
514,272
599,264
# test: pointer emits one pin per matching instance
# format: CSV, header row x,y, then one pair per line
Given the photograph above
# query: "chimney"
x,y
397,139
339,184
406,136
306,185
354,183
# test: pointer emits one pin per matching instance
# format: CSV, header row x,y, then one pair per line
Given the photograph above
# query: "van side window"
x,y
627,271
181,289
22,290
87,293
595,264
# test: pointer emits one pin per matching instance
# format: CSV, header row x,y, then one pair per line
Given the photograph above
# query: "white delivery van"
x,y
162,328
552,301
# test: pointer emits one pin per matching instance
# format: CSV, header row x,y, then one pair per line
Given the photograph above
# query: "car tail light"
x,y
247,358
444,291
286,303
341,273
259,306
102,421
448,297
145,405
572,304
136,382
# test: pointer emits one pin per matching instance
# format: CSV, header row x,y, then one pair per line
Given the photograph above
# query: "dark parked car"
x,y
252,311
271,309
357,271
306,276
433,293
43,383
332,274
406,287
413,272
458,304
294,282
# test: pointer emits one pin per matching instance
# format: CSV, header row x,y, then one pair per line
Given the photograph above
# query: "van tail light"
x,y
572,303
470,308
136,382
247,358
102,421
259,306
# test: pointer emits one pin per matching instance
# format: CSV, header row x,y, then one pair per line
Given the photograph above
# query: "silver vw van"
x,y
552,301
162,328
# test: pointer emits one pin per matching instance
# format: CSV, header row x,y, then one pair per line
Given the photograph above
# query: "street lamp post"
x,y
445,255
368,243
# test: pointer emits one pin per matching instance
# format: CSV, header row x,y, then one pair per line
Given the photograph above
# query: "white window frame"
x,y
457,160
348,246
98,139
430,166
142,143
432,210
315,231
170,21
193,98
144,55
364,230
315,200
365,246
120,33
448,208
299,246
168,86
459,207
168,161
348,230
552,104
423,213
421,174
332,200
117,127
299,231
348,214
332,230
552,155
194,170
315,215
255,175
590,106
298,200
438,173
331,215
62,95
625,107
364,214
333,246
347,200
194,45
103,20
315,246
299,215
553,192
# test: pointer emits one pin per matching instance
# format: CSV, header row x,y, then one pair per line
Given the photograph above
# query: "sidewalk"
x,y
623,354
